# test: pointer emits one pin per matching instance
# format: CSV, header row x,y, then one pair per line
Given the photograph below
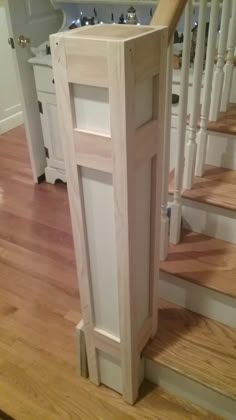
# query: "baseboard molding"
x,y
184,387
204,301
11,122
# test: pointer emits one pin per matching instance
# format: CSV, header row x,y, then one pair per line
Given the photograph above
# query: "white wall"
x,y
10,108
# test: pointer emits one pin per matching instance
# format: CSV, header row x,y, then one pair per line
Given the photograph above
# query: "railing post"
x,y
219,73
113,150
191,147
166,158
205,108
175,223
229,67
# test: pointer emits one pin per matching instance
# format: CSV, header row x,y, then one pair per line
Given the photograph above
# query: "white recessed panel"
x,y
143,101
92,109
142,241
99,214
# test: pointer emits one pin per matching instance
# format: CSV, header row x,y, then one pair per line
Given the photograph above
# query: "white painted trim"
x,y
11,122
204,301
184,387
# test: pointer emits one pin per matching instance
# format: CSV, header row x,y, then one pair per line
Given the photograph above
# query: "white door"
x,y
10,107
36,20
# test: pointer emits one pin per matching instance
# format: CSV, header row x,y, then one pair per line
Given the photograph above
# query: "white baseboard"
x,y
178,384
11,122
204,301
210,220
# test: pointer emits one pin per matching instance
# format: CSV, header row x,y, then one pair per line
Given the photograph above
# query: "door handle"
x,y
23,41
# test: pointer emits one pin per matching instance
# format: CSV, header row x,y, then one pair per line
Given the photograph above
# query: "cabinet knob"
x,y
53,81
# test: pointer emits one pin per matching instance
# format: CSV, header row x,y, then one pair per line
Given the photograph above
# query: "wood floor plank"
x,y
216,187
203,260
196,347
40,306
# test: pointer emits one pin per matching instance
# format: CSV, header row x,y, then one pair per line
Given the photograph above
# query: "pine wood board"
x,y
40,307
203,260
216,187
196,347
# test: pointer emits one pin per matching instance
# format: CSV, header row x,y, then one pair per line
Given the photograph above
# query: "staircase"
x,y
194,352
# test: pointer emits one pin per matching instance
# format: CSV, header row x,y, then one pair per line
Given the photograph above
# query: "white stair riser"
x,y
204,301
184,387
209,220
221,151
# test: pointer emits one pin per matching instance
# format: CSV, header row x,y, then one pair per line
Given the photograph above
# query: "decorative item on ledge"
x,y
113,141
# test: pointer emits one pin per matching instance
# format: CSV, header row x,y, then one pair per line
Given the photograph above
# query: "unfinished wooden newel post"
x,y
110,85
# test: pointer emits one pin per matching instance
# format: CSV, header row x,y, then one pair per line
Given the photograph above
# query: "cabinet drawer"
x,y
44,79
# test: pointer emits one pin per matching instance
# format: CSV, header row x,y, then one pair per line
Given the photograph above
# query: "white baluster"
x,y
219,73
166,158
229,67
205,109
191,146
175,223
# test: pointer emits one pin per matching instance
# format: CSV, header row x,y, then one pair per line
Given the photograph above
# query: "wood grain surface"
x,y
196,347
217,187
206,261
226,122
40,307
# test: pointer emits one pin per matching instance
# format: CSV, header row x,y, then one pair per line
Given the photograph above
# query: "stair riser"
x,y
184,387
204,301
209,220
221,151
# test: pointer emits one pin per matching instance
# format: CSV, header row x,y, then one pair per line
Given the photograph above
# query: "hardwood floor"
x,y
216,187
39,308
179,346
206,261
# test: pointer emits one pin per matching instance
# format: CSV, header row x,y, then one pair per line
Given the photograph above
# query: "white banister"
x,y
191,146
175,223
205,108
219,73
229,67
166,158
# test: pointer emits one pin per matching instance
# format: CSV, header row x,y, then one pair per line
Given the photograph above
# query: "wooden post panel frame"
x,y
110,85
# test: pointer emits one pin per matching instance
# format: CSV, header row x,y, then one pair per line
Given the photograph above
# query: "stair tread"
x,y
196,347
216,187
226,122
206,261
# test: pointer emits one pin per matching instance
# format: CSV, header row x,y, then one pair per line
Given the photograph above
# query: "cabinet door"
x,y
50,127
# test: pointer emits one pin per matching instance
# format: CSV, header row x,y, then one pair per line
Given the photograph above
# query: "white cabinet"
x,y
50,125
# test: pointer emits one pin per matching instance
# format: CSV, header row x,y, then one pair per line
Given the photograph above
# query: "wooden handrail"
x,y
167,14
